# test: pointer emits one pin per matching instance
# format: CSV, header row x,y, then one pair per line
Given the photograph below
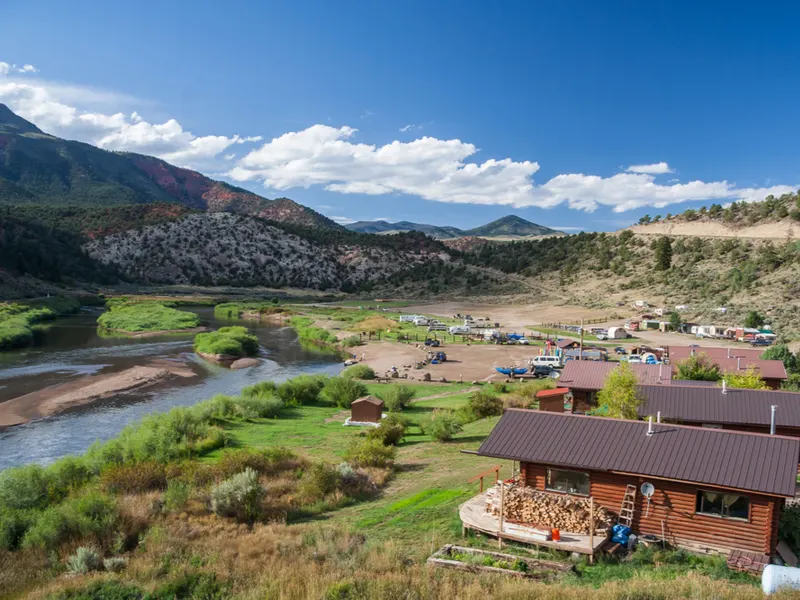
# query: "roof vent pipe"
x,y
650,425
724,387
729,352
658,417
738,363
772,419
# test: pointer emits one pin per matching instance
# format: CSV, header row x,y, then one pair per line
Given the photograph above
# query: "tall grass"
x,y
235,310
231,341
146,316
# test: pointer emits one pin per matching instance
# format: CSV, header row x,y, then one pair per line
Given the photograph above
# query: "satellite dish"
x,y
648,489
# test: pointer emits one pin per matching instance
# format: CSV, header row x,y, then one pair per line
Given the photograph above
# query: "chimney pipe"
x,y
729,352
738,363
772,419
724,387
650,425
658,417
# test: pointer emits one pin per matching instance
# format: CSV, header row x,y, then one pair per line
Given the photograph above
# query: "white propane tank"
x,y
776,578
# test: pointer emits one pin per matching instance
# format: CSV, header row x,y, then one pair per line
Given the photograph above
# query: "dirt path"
x,y
58,398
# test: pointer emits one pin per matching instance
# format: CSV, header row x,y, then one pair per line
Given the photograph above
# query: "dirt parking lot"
x,y
467,363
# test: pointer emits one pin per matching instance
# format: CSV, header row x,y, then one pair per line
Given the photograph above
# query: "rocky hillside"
x,y
230,249
36,168
773,218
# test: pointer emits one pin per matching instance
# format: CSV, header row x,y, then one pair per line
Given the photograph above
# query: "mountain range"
x,y
510,225
39,168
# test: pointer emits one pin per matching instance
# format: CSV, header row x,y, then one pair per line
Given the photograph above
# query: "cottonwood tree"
x,y
619,397
698,368
750,379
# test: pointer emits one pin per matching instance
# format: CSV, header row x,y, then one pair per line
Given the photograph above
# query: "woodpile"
x,y
528,506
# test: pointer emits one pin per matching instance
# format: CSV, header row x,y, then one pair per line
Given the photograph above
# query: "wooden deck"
x,y
474,516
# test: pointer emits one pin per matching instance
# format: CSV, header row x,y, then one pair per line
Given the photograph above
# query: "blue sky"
x,y
448,112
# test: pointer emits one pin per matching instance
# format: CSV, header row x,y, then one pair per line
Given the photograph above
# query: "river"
x,y
71,347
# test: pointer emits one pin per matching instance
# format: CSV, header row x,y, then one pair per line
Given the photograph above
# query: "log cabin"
x,y
715,490
723,407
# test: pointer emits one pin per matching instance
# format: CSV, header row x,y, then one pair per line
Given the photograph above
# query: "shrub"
x,y
85,560
343,391
354,483
176,496
13,525
263,388
515,401
91,515
264,462
204,586
398,397
259,407
359,372
115,564
238,497
319,481
370,453
130,479
65,475
443,426
391,430
24,487
789,526
484,404
342,590
301,390
352,341
499,387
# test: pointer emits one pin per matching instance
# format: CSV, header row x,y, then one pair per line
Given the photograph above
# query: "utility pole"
x,y
580,355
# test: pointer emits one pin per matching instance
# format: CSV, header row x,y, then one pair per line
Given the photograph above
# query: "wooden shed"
x,y
368,409
710,490
552,400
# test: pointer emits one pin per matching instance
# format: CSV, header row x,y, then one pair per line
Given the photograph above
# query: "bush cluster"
x,y
390,431
343,391
238,497
359,372
370,453
397,397
230,341
443,426
146,316
485,404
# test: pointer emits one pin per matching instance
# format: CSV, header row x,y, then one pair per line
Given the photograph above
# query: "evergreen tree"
x,y
663,252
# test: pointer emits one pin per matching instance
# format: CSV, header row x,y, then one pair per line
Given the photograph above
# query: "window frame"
x,y
555,491
698,495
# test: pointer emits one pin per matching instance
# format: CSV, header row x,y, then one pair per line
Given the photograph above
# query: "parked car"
x,y
432,343
634,358
755,343
441,357
437,327
620,350
601,336
523,341
540,371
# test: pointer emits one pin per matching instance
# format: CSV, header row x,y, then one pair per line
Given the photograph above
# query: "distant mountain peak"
x,y
510,225
10,120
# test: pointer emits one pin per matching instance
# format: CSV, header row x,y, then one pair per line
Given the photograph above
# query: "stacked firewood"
x,y
528,506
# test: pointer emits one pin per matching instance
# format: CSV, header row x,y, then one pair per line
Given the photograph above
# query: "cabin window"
x,y
727,506
570,482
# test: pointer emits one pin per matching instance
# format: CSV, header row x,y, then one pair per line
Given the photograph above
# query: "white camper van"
x,y
549,361
459,330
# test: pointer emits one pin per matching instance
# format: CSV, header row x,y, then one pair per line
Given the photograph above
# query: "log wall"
x,y
674,504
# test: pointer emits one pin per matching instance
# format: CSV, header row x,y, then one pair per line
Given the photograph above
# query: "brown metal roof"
x,y
769,369
710,405
591,375
742,461
370,399
681,352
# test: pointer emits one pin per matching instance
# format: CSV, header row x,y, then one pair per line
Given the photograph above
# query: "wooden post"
x,y
500,529
591,529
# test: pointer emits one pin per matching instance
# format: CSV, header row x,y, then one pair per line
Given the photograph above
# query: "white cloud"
x,y
408,127
653,169
76,113
438,170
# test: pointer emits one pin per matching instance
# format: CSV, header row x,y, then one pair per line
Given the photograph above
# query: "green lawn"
x,y
422,389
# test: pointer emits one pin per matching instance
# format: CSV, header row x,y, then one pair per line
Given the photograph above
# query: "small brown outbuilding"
x,y
366,410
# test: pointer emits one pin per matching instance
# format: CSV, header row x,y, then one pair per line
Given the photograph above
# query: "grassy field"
x,y
136,317
338,547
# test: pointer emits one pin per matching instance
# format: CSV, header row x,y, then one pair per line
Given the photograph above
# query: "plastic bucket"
x,y
556,534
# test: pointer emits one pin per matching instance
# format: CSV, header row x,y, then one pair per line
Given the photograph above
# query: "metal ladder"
x,y
628,505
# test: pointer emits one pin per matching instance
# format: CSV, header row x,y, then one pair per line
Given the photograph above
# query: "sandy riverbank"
x,y
58,398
